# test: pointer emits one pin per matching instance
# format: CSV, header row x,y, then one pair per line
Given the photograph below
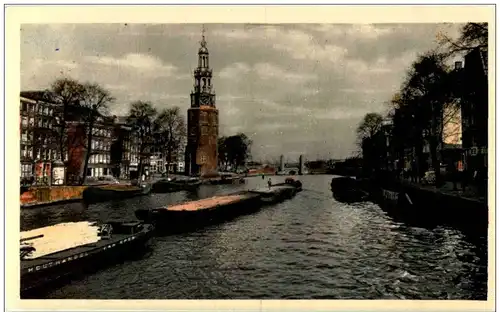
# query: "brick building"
x,y
203,120
76,151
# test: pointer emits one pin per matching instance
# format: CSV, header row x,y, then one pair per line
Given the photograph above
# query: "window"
x,y
26,170
24,107
23,151
24,136
31,121
24,121
203,159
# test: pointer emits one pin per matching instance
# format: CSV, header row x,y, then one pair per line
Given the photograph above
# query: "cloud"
x,y
265,72
293,88
144,64
269,71
234,70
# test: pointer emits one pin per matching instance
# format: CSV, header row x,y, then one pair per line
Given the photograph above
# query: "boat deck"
x,y
211,202
272,190
76,252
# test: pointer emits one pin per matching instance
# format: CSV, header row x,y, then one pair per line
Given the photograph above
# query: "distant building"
x,y
203,120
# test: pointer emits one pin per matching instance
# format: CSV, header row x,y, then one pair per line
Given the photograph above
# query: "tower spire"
x,y
203,42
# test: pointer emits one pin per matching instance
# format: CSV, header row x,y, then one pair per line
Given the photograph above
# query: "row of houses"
x,y
114,147
464,135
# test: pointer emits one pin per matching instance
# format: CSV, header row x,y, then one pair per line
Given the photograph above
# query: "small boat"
x,y
115,241
102,193
280,191
348,190
195,214
176,184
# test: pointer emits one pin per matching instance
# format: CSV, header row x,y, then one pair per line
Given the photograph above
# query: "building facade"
x,y
121,148
203,120
38,139
157,161
100,156
475,109
99,163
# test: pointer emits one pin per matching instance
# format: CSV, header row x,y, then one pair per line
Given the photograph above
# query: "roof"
x,y
35,95
121,120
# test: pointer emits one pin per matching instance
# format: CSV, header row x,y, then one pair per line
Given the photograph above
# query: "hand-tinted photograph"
x,y
254,161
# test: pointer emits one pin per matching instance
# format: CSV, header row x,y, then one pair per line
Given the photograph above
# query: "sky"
x,y
292,88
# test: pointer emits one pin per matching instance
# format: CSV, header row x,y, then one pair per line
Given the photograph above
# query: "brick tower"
x,y
203,119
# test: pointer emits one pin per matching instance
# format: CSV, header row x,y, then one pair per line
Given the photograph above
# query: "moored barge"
x,y
96,194
176,185
348,190
192,215
116,241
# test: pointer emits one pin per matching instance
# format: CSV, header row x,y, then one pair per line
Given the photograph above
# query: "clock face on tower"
x,y
204,99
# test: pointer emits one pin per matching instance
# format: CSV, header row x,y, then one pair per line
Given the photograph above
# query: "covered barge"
x,y
114,241
175,185
191,215
97,194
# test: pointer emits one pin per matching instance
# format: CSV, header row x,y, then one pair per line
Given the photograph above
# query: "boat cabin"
x,y
125,227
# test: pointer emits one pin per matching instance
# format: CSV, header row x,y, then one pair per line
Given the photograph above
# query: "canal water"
x,y
309,247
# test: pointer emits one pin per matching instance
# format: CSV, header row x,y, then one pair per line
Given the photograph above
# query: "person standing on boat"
x,y
269,183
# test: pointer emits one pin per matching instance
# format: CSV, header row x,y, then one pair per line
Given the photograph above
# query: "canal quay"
x,y
308,247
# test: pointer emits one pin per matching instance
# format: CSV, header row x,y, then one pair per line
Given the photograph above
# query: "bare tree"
x,y
94,100
67,93
169,132
428,91
369,126
473,35
141,118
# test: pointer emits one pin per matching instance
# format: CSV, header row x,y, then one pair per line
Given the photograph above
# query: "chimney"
x,y
458,65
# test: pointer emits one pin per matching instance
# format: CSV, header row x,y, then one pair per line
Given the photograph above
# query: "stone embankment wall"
x,y
44,195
